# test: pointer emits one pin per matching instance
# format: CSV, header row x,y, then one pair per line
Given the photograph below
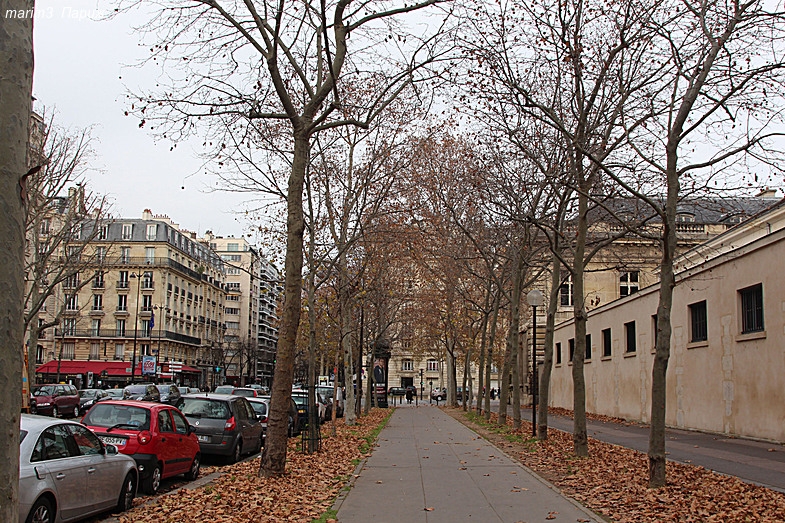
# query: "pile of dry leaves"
x,y
612,481
239,495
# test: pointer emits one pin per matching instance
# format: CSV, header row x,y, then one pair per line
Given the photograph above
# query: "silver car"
x,y
66,473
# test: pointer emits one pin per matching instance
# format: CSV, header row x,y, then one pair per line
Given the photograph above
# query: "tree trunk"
x,y
313,414
579,436
662,345
274,456
513,336
345,311
547,364
16,48
491,341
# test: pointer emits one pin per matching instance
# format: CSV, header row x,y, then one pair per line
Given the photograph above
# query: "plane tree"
x,y
269,76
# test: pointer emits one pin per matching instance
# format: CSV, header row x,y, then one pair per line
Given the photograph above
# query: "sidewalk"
x,y
430,468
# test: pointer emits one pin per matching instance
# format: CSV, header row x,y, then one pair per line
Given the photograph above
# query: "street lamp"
x,y
138,278
535,299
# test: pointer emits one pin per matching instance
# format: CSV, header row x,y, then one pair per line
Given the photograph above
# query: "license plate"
x,y
118,442
205,439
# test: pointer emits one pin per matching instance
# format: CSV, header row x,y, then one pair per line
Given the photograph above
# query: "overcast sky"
x,y
79,63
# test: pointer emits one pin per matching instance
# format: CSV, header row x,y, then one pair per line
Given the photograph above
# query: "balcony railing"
x,y
128,334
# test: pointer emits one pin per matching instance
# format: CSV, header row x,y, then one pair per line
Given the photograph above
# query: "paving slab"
x,y
429,468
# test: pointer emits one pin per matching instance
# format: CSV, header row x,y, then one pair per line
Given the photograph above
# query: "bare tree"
x,y
16,85
726,67
273,72
62,217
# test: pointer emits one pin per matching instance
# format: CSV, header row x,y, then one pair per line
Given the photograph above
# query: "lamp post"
x,y
535,299
138,278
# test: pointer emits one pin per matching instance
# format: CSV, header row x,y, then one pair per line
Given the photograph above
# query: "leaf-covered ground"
x,y
612,481
239,495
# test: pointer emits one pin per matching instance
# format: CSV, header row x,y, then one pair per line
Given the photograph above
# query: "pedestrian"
x,y
493,393
408,395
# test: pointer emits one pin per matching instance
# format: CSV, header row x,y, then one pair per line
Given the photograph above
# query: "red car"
x,y
156,435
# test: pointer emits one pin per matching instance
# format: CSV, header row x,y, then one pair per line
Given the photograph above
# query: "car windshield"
x,y
224,389
259,407
244,392
300,400
125,417
164,389
46,390
136,389
204,408
115,393
90,393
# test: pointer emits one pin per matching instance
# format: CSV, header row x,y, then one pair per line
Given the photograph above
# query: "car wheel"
x,y
151,484
41,512
76,411
237,452
194,472
55,413
127,493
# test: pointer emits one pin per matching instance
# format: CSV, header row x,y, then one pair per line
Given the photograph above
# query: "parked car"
x,y
459,395
223,389
88,397
294,418
194,390
156,435
67,473
246,392
169,393
114,394
56,400
439,394
225,424
396,391
263,391
327,392
301,400
142,392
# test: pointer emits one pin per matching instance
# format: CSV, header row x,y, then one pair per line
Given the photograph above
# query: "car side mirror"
x,y
191,429
111,450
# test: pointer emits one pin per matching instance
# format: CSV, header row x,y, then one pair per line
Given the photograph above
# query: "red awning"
x,y
112,368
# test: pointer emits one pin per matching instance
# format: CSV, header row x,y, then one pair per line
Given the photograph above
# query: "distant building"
x,y
252,294
147,288
726,365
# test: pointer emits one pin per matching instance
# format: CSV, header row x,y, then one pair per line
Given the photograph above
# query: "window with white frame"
x,y
119,351
407,365
566,292
69,326
628,283
95,350
125,254
69,350
100,254
128,231
432,365
120,328
95,328
103,232
122,302
232,247
152,231
98,302
149,255
72,302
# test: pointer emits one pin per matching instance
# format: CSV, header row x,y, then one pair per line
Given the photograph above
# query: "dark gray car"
x,y
226,425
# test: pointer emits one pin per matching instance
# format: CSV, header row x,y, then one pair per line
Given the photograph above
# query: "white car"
x,y
66,473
